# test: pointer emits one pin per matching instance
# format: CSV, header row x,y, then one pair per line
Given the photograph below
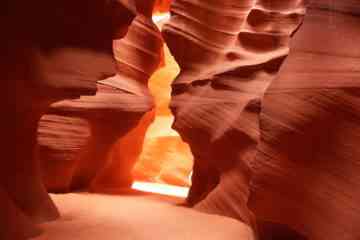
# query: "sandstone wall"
x,y
103,155
287,152
51,51
306,169
229,53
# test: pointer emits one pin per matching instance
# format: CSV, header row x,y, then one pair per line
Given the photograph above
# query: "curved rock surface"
x,y
120,104
51,51
291,156
136,217
229,52
275,142
14,224
306,172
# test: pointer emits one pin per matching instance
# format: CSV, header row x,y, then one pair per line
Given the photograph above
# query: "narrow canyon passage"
x,y
163,169
180,120
165,158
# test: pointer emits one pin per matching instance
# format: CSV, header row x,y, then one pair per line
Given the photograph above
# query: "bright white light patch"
x,y
161,189
161,17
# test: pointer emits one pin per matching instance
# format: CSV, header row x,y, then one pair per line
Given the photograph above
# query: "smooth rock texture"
x,y
120,105
130,217
47,48
14,224
306,172
297,147
228,52
162,5
61,139
275,141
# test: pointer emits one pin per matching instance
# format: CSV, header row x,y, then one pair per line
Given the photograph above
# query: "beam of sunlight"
x,y
162,189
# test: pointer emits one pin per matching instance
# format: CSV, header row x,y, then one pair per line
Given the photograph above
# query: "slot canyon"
x,y
180,119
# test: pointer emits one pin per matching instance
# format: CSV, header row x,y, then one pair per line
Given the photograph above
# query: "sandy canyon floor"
x,y
136,217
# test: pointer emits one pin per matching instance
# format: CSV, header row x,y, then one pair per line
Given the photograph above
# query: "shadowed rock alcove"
x,y
180,119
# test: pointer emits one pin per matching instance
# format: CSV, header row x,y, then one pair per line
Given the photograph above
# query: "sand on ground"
x,y
136,217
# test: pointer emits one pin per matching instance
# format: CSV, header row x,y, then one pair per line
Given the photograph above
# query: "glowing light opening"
x,y
163,189
161,17
152,187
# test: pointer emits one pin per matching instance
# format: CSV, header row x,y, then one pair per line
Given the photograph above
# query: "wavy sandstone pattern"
x,y
229,52
277,144
308,161
107,158
51,51
302,173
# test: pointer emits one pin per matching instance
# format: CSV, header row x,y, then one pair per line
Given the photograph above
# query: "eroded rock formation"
x,y
306,172
275,141
101,158
290,157
229,52
52,51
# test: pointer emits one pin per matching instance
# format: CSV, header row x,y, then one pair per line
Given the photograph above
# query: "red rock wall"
x,y
284,157
120,104
14,224
162,5
306,169
46,58
295,147
229,52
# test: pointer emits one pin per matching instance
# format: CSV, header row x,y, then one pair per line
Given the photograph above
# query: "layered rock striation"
x,y
103,156
307,165
279,141
51,51
275,139
229,53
